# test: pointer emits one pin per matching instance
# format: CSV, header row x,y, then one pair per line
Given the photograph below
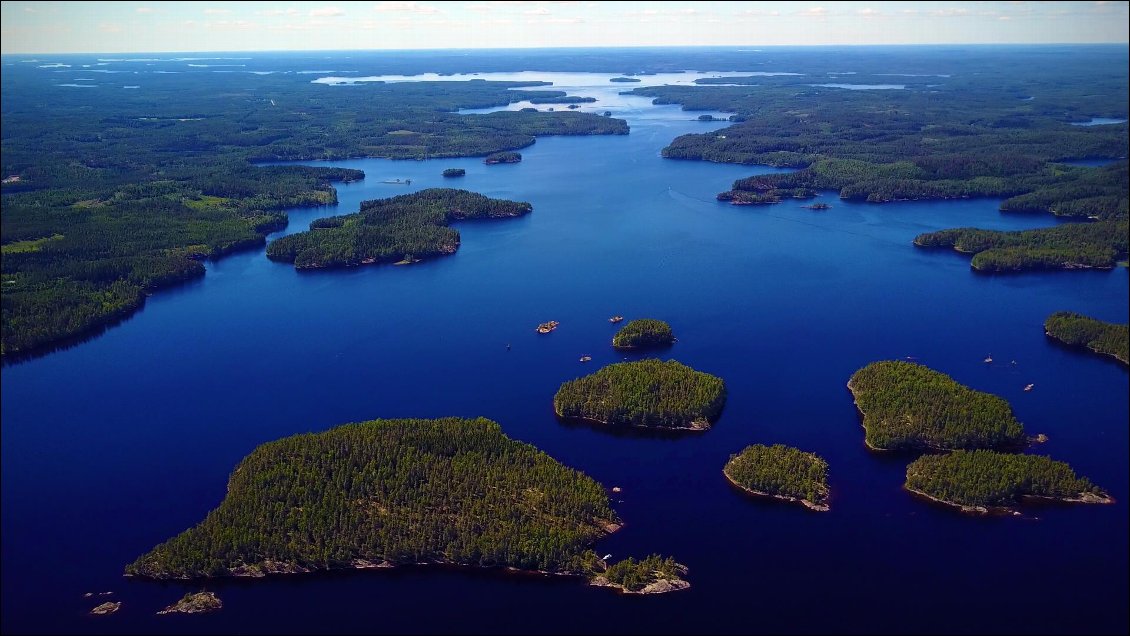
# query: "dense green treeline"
x,y
561,99
989,479
403,491
1070,246
642,333
780,471
139,184
505,156
910,406
454,172
1101,337
634,576
644,393
406,228
979,128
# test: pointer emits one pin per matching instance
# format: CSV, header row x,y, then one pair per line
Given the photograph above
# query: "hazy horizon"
x,y
44,28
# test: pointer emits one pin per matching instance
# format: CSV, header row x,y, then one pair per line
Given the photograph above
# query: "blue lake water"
x,y
123,441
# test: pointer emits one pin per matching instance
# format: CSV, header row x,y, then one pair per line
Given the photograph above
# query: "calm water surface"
x,y
117,444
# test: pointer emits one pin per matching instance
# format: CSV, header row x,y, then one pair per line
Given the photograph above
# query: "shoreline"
x,y
696,426
811,505
1008,510
1087,347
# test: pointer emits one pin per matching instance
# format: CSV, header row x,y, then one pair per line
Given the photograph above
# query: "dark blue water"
x,y
117,444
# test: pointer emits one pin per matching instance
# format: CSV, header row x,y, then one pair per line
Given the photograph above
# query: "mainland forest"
x,y
908,406
649,393
110,196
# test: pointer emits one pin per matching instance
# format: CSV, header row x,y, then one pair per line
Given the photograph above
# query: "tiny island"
x,y
643,333
781,472
194,603
984,481
106,608
625,80
647,393
402,229
352,497
454,172
908,406
505,156
652,575
547,327
1077,330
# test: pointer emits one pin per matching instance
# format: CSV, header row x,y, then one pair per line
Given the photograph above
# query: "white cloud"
x,y
405,7
217,11
869,12
537,11
144,10
274,12
326,12
815,12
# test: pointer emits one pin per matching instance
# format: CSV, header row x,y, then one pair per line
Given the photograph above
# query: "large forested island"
x,y
781,472
1101,337
643,333
983,480
394,492
404,228
909,406
111,195
1074,246
647,393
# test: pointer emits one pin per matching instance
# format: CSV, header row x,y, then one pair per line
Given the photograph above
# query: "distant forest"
x,y
111,195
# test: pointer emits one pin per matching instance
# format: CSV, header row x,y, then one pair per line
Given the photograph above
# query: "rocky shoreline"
x,y
811,505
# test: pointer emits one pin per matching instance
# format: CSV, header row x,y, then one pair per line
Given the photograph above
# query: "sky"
x,y
136,27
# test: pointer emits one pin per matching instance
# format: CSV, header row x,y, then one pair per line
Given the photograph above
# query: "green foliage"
x,y
140,183
404,491
780,471
633,575
561,99
409,226
454,172
644,393
1101,337
642,333
503,157
910,406
1071,246
988,478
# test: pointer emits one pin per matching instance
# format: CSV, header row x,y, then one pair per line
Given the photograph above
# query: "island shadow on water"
x,y
632,432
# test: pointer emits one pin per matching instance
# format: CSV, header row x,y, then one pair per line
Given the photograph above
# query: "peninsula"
x,y
781,472
643,333
1096,245
982,481
907,406
404,228
1104,338
647,393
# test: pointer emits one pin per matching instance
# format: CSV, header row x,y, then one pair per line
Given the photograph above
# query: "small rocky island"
x,y
652,575
625,80
505,156
983,481
106,608
386,493
647,393
404,229
644,333
454,172
907,406
194,603
817,206
1077,330
781,472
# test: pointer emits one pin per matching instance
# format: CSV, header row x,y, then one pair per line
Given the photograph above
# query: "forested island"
x,y
983,480
404,228
1104,338
651,575
561,99
203,602
781,472
503,157
454,172
643,333
1096,245
111,196
395,492
907,406
647,393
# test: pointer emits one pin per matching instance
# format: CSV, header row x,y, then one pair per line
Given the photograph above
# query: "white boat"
x,y
1029,387
989,360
